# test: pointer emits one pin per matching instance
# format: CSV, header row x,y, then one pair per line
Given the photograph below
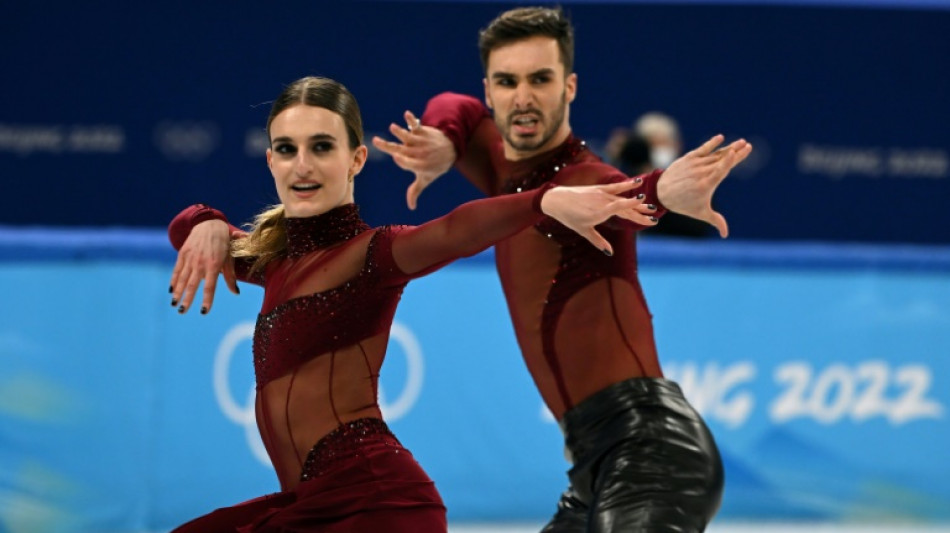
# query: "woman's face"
x,y
311,161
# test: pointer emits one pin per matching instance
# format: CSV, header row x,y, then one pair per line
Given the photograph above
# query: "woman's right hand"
x,y
204,254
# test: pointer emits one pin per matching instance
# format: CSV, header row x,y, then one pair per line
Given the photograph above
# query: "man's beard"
x,y
529,144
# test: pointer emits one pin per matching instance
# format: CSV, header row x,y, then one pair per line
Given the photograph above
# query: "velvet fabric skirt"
x,y
359,478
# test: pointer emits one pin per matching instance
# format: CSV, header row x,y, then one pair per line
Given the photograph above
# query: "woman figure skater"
x,y
331,286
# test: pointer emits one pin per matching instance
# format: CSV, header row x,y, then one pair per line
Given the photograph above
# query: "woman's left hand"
x,y
580,208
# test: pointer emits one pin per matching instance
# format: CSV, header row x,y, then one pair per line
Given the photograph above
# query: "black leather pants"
x,y
643,459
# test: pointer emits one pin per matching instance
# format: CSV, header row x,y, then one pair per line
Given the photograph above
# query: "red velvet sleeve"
x,y
181,226
465,231
469,125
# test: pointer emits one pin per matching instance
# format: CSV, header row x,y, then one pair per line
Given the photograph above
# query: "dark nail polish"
x,y
638,180
607,252
651,206
653,219
171,289
204,310
237,289
641,196
181,309
174,302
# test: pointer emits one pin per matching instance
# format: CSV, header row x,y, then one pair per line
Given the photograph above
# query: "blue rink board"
x,y
821,370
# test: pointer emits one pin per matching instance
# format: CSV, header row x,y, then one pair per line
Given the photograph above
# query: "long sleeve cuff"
x,y
457,116
181,226
649,190
541,191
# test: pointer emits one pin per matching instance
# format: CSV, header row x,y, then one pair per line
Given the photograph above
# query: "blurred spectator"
x,y
633,155
663,135
653,142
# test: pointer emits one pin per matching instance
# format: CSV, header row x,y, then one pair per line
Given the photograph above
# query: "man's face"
x,y
527,89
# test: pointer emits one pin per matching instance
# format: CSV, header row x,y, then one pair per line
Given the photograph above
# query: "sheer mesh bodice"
x,y
580,317
329,302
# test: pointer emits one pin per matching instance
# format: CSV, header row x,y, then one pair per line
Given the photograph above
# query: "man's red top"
x,y
580,317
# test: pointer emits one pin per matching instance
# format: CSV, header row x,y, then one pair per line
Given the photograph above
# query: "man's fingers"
x,y
719,222
388,147
708,146
402,161
716,220
400,133
733,150
733,154
412,194
410,156
717,165
730,158
412,122
738,154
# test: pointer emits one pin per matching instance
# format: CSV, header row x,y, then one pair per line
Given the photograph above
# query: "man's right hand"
x,y
204,254
423,150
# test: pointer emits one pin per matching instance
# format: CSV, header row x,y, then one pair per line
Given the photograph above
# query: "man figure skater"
x,y
643,459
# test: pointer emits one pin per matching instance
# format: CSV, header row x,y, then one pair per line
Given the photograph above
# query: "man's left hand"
x,y
688,185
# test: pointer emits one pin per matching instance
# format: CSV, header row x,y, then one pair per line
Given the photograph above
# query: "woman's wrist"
x,y
539,197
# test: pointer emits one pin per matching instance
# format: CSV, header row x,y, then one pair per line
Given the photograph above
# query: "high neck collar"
x,y
304,235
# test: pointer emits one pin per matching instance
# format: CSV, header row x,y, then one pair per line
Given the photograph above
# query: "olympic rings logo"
x,y
190,141
242,413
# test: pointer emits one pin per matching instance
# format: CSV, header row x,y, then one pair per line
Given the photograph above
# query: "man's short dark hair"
x,y
526,22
